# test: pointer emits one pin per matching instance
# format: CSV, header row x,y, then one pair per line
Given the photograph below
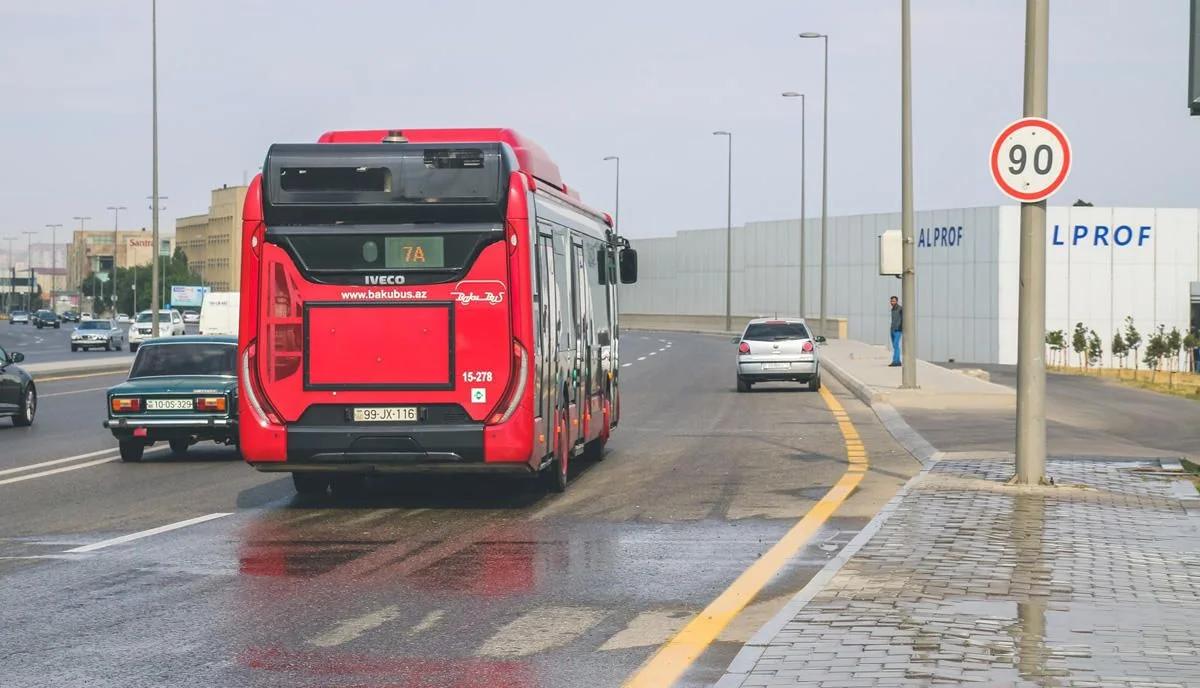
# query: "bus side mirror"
x,y
628,265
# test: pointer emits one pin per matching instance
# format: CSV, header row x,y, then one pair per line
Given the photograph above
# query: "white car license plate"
x,y
169,404
776,366
385,414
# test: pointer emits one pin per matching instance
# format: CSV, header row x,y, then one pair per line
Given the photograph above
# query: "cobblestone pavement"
x,y
1092,582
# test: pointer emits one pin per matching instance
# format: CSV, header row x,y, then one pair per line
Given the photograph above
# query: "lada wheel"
x,y
131,451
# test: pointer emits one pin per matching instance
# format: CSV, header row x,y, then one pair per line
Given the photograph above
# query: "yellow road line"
x,y
78,377
672,659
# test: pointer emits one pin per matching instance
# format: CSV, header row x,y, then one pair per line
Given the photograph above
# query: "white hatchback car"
x,y
170,324
778,350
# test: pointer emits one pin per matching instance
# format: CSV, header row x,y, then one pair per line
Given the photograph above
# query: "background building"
x,y
92,251
212,241
1103,264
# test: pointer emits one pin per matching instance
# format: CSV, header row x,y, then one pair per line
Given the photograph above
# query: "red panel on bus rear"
x,y
380,345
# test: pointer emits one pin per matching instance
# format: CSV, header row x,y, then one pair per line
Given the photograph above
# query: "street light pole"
x,y
154,199
908,287
617,204
803,195
1031,304
824,185
728,234
54,255
12,274
116,223
29,259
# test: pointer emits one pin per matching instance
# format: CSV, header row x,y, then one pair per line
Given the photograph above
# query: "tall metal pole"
x,y
29,259
54,255
908,288
12,274
617,204
116,223
1031,308
803,195
154,270
728,234
824,187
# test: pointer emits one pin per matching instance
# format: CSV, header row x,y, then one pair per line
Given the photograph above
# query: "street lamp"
x,y
617,208
158,263
116,223
29,259
908,287
154,270
728,235
12,274
824,182
803,214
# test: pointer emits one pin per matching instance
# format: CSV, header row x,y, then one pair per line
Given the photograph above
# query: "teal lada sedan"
x,y
180,389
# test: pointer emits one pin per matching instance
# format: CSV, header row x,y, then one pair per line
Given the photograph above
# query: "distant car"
x,y
98,333
84,317
18,317
70,316
46,318
191,317
778,350
180,389
170,324
18,395
124,319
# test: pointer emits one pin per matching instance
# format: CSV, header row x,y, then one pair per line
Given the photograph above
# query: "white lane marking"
x,y
626,365
147,533
653,353
76,391
55,462
641,358
54,471
540,630
648,629
428,622
350,629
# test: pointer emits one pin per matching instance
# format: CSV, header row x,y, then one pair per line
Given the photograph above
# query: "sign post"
x,y
1030,160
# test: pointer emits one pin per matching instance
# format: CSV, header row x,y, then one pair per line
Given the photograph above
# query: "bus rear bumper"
x,y
389,449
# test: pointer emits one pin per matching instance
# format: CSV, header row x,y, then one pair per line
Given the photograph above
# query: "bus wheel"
x,y
562,463
311,484
595,448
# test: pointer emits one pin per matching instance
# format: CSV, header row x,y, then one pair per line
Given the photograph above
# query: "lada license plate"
x,y
385,414
169,405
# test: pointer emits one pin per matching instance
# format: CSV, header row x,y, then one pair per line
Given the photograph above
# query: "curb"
x,y
743,663
910,439
98,367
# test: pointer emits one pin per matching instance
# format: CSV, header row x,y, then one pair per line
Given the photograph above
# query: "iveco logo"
x,y
384,279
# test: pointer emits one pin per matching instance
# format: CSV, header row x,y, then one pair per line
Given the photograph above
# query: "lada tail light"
x,y
210,404
126,405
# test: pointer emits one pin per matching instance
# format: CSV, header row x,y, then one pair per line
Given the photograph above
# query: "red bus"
x,y
425,300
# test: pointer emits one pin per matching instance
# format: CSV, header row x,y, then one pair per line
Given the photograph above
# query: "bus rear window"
x,y
376,251
335,179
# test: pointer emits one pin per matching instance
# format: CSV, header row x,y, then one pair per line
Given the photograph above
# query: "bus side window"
x,y
562,279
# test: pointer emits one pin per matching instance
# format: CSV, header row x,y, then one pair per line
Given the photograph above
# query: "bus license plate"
x,y
169,404
385,414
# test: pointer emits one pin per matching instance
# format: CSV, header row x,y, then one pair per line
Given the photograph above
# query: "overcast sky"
x,y
649,80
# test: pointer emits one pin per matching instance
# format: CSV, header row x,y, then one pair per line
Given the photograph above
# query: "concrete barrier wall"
x,y
838,327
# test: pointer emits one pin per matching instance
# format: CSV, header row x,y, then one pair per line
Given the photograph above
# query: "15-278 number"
x,y
477,376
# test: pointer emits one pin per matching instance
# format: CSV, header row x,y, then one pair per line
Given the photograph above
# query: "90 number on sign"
x,y
1030,159
1043,159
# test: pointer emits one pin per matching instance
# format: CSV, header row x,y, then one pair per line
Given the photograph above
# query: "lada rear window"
x,y
158,360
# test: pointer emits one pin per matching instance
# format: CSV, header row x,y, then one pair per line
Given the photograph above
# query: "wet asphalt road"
x,y
436,581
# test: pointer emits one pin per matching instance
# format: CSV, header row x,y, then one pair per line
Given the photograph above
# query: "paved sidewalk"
x,y
964,579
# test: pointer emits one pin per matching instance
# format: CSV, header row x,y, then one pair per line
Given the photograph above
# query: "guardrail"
x,y
838,327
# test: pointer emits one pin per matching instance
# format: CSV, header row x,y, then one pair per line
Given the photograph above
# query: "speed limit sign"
x,y
1030,159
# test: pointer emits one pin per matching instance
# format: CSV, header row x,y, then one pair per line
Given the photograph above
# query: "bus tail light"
x,y
210,404
264,414
515,392
123,404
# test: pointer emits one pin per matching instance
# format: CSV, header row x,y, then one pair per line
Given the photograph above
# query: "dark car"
x,y
18,395
45,318
70,316
180,389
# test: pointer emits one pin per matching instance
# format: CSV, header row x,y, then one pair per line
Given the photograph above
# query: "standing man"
x,y
896,330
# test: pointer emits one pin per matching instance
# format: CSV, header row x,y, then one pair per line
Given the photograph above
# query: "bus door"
x,y
546,334
563,314
583,350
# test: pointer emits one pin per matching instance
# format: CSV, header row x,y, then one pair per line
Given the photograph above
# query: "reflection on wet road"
x,y
439,581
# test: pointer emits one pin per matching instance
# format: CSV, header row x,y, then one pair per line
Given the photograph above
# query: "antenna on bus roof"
x,y
395,136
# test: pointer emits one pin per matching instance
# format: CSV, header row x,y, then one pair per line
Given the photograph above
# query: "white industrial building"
x,y
1103,264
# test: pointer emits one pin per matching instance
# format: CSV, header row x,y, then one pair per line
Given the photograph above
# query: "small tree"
x,y
1120,351
1174,344
1156,349
1095,348
1079,343
1057,341
1133,341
